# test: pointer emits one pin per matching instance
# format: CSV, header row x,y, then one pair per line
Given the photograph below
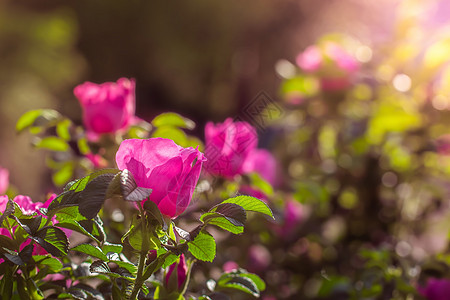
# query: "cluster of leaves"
x,y
77,209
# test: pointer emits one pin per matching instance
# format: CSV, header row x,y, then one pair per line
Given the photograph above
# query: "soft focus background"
x,y
205,60
362,190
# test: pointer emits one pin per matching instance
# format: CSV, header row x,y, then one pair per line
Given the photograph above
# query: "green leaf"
x,y
68,213
46,260
9,210
63,175
83,146
232,212
75,226
173,119
32,117
8,243
91,250
108,247
127,266
258,182
136,238
260,284
154,213
31,224
53,240
223,223
251,204
244,284
62,129
26,252
52,143
33,291
175,134
99,266
12,256
93,196
80,184
6,284
124,185
203,247
170,259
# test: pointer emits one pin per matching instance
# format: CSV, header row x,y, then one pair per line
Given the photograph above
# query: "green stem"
x,y
142,257
139,280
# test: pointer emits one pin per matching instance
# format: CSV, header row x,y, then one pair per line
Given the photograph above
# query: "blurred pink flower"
x,y
160,164
310,59
227,146
443,144
97,160
28,207
341,58
181,274
4,180
259,258
107,107
261,161
331,63
293,215
230,266
436,289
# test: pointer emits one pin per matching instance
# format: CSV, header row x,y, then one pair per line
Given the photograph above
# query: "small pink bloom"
x,y
107,107
181,273
227,146
436,289
4,180
169,170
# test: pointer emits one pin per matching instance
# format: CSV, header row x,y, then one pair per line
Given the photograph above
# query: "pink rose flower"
x,y
436,289
107,107
169,170
227,146
181,273
4,180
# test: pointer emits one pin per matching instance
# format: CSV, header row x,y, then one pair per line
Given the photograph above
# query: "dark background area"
x,y
203,59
